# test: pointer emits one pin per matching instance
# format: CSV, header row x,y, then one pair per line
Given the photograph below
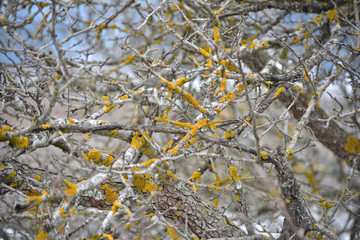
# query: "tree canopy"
x,y
179,119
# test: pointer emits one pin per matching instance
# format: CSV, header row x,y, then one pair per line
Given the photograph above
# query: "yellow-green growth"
x,y
41,235
115,207
278,92
70,189
93,155
190,99
229,134
172,233
234,173
204,52
227,98
264,155
222,86
352,145
149,162
181,81
108,236
196,176
216,34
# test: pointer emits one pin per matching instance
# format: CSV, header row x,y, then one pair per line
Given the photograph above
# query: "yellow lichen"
x,y
108,107
93,155
185,138
174,150
216,202
123,97
168,145
231,67
204,52
138,141
41,235
289,151
169,85
115,207
234,173
37,199
21,142
110,195
149,162
15,184
70,189
87,136
326,205
107,236
333,15
222,87
194,130
278,92
239,88
190,142
171,175
148,138
148,151
61,228
113,133
264,155
181,81
32,192
229,134
101,27
220,182
211,124
190,99
135,143
12,174
172,233
183,124
72,211
310,177
4,129
227,98
129,58
196,176
162,119
127,226
209,63
143,182
216,34
352,145
62,212
71,121
109,159
296,40
203,110
317,19
266,44
200,123
252,45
